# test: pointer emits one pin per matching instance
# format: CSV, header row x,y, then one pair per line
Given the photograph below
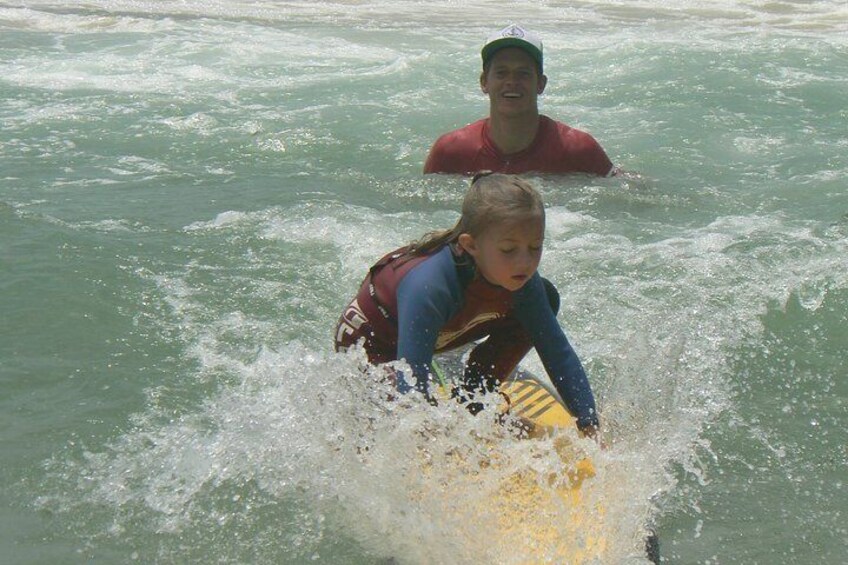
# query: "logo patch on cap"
x,y
513,36
513,31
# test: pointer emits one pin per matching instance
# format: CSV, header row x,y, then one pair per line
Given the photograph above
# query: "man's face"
x,y
512,82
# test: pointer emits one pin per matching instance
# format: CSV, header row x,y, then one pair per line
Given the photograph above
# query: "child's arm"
x,y
426,299
560,360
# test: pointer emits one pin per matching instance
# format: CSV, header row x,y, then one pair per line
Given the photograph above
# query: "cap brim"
x,y
493,47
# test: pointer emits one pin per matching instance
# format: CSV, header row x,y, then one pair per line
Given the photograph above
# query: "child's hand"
x,y
590,431
593,432
401,385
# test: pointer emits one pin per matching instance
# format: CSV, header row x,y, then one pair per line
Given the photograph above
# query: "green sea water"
x,y
191,191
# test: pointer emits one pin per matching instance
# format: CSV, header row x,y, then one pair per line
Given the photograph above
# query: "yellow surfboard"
x,y
540,516
549,520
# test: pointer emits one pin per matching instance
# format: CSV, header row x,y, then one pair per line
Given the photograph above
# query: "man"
x,y
515,138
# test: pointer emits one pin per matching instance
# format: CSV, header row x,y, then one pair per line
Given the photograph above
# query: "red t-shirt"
x,y
558,149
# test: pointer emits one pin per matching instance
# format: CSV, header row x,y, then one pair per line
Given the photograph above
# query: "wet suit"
x,y
410,307
557,149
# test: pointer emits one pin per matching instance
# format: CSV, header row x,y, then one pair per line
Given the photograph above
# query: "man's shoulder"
x,y
564,131
570,149
454,151
464,134
570,138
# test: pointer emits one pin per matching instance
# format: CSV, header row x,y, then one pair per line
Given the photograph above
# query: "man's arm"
x,y
444,157
434,159
592,156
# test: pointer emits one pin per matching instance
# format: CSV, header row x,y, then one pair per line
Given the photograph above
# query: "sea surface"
x,y
190,192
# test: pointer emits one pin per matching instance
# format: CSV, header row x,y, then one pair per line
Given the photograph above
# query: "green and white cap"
x,y
513,36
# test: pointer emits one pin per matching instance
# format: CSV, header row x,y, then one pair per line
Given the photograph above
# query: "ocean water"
x,y
191,191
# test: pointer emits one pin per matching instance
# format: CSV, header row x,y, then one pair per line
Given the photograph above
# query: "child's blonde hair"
x,y
492,198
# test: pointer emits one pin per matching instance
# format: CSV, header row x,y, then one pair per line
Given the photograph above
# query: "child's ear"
x,y
466,241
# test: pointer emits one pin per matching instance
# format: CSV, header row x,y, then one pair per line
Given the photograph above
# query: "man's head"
x,y
512,73
513,36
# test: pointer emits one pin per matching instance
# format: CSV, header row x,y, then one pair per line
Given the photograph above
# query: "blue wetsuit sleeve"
x,y
427,297
533,310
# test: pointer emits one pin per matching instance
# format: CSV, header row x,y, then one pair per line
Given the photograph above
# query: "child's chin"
x,y
517,285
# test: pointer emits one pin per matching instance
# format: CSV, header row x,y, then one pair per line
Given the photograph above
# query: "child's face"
x,y
507,255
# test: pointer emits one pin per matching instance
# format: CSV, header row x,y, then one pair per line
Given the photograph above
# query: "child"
x,y
477,280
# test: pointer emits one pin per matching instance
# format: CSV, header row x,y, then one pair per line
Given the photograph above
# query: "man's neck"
x,y
513,134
